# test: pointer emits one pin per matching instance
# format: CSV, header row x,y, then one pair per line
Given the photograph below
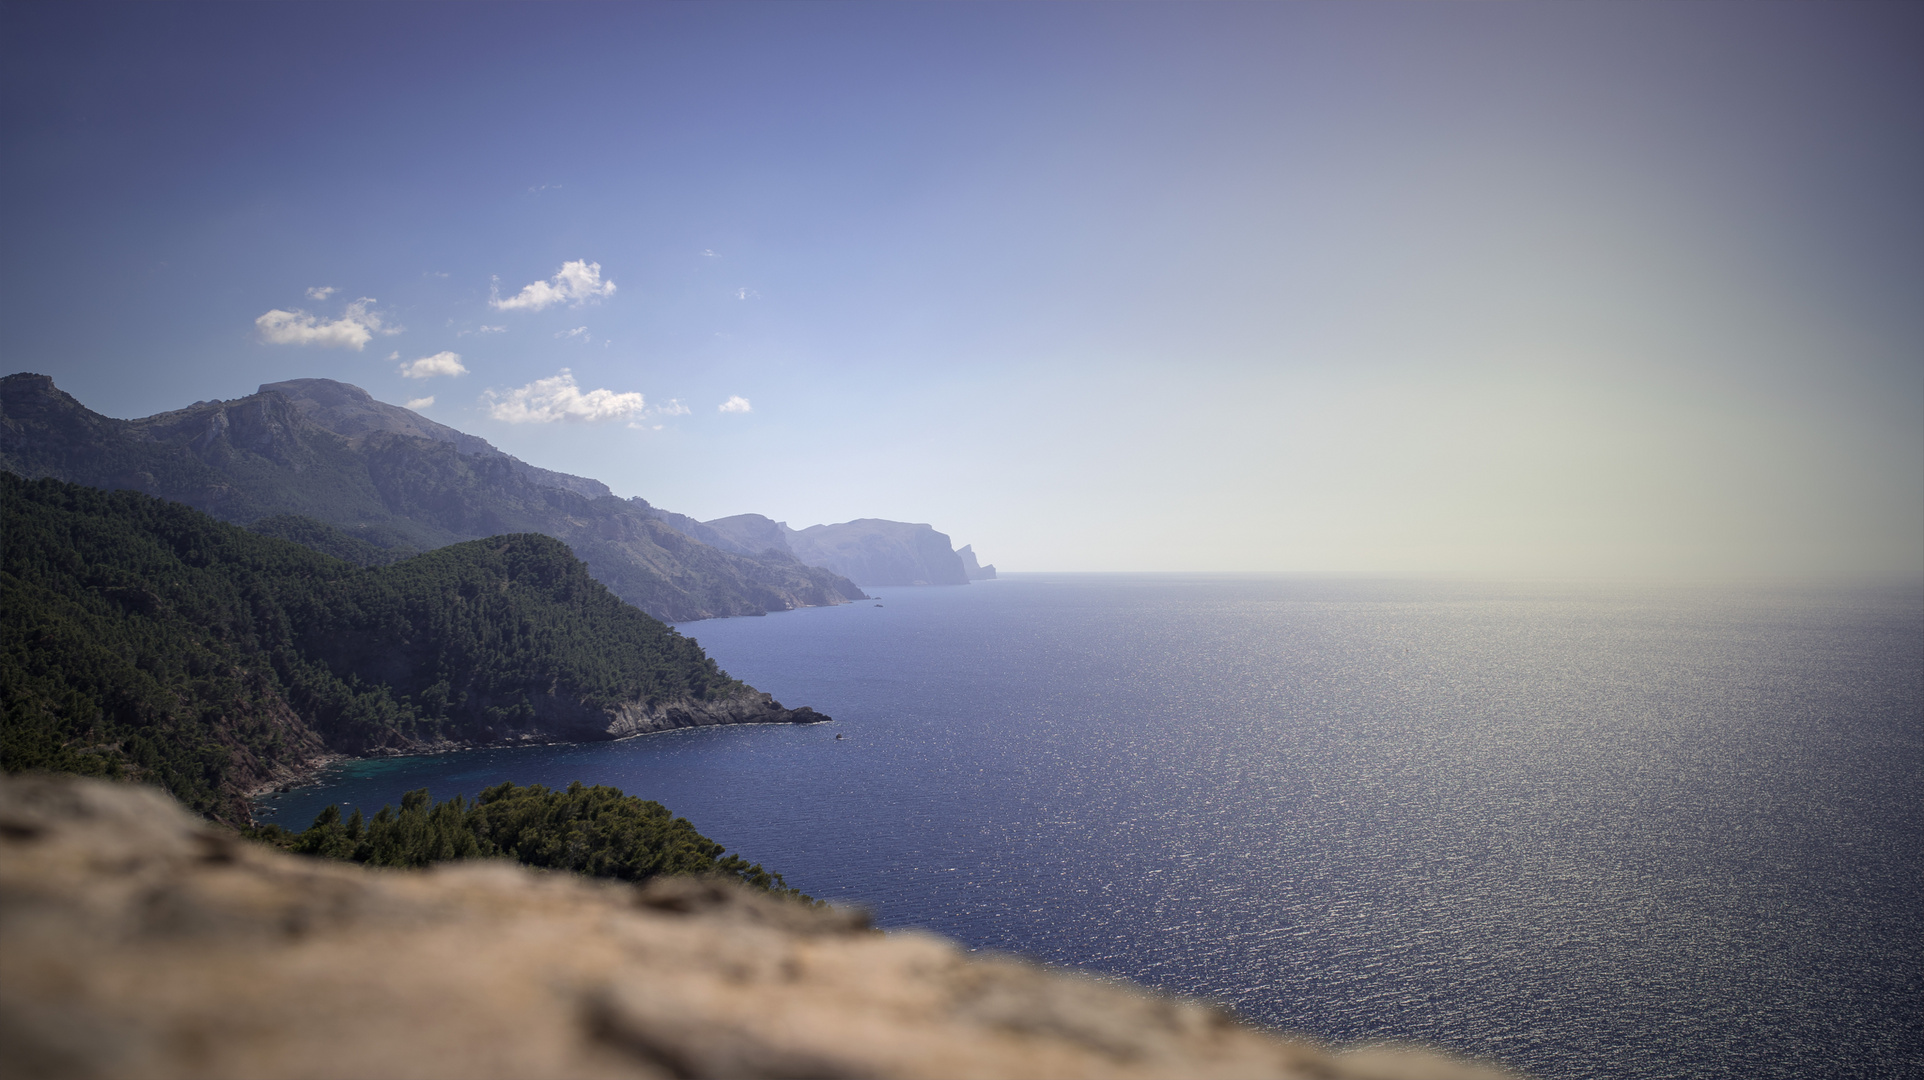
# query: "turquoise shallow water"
x,y
1594,832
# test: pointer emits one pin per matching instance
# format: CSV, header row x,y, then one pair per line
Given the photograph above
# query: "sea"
x,y
1585,830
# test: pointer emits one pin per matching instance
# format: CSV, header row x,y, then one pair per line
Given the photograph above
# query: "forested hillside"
x,y
142,638
596,831
392,480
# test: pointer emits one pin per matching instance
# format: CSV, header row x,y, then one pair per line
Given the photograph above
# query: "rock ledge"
x,y
138,942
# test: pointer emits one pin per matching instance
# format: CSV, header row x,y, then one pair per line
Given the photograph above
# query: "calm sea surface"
x,y
1589,831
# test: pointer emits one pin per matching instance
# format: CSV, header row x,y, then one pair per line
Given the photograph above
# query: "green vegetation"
x,y
329,540
143,639
596,831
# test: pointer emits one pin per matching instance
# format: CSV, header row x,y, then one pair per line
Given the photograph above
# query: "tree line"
x,y
596,831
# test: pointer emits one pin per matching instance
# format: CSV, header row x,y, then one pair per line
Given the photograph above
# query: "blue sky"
x,y
1490,289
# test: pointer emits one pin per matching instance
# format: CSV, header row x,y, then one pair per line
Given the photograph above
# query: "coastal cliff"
x,y
867,551
972,567
138,942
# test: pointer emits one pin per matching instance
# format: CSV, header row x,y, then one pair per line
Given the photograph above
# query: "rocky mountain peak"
x,y
349,411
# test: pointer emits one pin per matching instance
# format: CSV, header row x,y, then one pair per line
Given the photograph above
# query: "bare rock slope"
x,y
136,942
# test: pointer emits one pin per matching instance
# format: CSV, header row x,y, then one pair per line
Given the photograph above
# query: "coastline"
x,y
618,725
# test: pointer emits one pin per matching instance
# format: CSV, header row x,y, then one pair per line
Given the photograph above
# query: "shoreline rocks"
x,y
577,723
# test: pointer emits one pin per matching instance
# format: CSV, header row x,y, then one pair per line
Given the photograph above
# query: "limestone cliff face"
x,y
135,942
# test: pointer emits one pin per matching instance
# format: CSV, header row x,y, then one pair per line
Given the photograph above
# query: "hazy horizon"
x,y
1583,291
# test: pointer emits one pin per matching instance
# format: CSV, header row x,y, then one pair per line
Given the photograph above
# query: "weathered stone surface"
x,y
136,942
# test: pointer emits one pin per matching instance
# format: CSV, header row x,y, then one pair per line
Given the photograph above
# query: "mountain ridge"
x,y
396,480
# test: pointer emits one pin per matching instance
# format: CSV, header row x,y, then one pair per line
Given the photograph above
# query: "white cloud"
x,y
578,332
577,283
737,403
671,407
483,330
395,355
441,363
420,403
711,253
320,292
353,330
747,294
545,401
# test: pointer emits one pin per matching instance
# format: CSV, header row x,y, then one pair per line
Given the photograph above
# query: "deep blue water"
x,y
1588,831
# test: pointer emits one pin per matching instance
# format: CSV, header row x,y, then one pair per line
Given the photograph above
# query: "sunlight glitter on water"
x,y
1593,832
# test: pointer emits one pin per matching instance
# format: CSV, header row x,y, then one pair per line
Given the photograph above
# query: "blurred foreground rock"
x,y
135,942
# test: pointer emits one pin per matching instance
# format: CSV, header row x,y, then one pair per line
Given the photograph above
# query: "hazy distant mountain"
x,y
975,570
878,552
867,551
753,532
394,479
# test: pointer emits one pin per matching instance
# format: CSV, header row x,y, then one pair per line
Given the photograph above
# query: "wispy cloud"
x,y
353,330
546,401
737,403
482,330
711,253
417,404
671,407
441,363
320,292
578,332
747,294
576,283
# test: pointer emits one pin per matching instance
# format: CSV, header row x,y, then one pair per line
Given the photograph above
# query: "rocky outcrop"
x,y
756,709
563,718
135,942
975,570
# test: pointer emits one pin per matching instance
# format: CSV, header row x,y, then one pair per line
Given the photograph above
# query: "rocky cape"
x,y
395,483
867,551
138,942
562,719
